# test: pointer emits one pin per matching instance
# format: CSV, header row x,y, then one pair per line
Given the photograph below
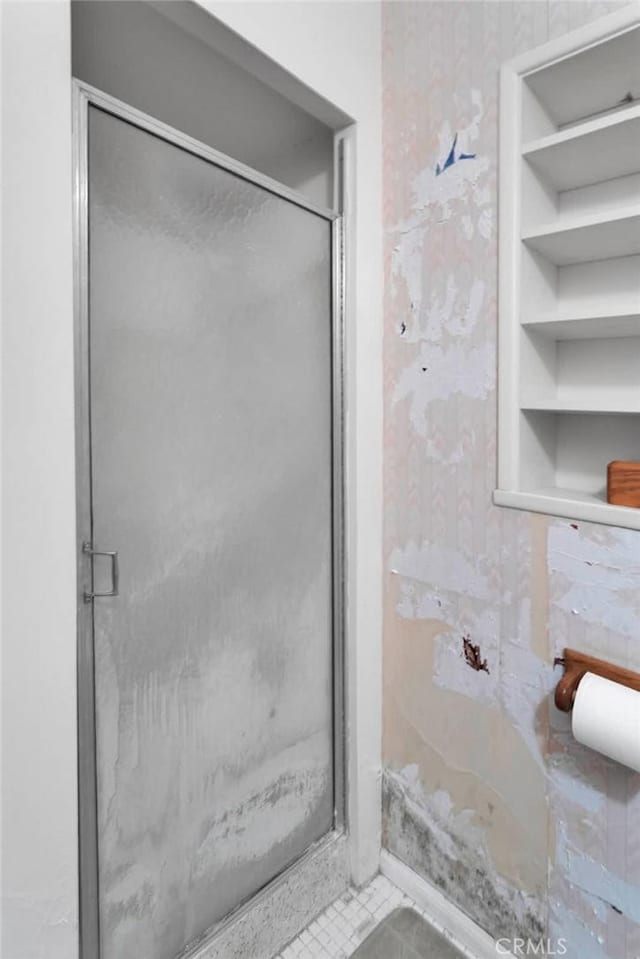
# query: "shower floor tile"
x,y
353,928
405,935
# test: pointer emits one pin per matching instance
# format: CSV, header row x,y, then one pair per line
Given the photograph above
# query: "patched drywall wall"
x,y
486,793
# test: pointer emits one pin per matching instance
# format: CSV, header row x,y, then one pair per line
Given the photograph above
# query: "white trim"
x,y
472,941
570,504
39,770
508,278
201,20
609,122
363,627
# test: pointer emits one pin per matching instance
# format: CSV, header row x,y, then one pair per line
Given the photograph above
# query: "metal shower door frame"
x,y
85,96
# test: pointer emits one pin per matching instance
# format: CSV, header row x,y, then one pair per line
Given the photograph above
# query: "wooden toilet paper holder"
x,y
576,664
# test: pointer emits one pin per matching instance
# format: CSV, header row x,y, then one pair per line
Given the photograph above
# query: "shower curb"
x,y
274,916
472,941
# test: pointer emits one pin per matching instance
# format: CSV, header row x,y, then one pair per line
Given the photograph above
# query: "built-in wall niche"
x,y
590,375
563,454
569,350
599,298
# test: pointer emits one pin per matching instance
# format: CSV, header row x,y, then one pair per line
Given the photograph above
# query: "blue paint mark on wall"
x,y
452,158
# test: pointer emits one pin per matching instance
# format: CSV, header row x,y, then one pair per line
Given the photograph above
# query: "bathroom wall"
x,y
485,792
133,51
38,795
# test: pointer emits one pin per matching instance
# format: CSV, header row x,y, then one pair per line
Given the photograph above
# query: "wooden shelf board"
x,y
573,504
591,152
579,326
582,239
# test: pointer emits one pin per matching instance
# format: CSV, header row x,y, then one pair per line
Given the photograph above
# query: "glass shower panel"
x,y
211,446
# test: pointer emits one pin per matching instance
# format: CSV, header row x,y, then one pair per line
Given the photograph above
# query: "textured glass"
x,y
211,468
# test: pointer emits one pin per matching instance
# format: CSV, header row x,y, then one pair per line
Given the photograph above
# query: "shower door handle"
x,y
115,571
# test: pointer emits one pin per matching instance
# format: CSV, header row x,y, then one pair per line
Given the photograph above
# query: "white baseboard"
x,y
440,912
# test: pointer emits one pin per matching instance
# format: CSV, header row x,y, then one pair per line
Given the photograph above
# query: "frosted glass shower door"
x,y
210,368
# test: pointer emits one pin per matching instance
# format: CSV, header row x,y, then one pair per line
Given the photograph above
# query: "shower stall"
x,y
209,425
206,741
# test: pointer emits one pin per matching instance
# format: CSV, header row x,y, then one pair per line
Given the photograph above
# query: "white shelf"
x,y
581,239
597,150
584,325
569,270
597,405
594,79
571,503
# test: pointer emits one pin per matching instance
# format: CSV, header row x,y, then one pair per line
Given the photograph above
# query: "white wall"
x,y
38,586
137,54
335,49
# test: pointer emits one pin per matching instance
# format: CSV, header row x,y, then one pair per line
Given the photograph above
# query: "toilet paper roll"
x,y
606,717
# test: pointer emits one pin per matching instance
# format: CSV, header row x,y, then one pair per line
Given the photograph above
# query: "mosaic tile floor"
x,y
340,929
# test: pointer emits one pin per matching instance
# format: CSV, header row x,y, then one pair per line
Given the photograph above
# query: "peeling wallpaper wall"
x,y
485,791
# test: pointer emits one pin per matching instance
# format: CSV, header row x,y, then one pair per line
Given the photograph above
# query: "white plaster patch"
x,y
482,196
526,682
428,321
449,311
414,602
440,373
566,779
594,878
435,449
443,566
463,321
459,604
485,224
597,575
452,671
465,605
437,190
406,261
454,180
567,931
